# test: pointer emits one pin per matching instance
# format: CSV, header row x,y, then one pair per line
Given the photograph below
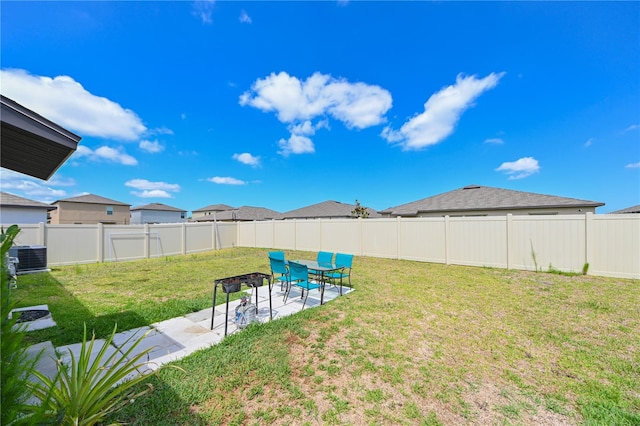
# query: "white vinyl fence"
x,y
610,244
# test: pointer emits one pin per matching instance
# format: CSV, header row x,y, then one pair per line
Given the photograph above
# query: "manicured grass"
x,y
416,343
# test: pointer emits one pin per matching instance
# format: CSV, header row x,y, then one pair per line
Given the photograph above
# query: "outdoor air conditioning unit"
x,y
30,258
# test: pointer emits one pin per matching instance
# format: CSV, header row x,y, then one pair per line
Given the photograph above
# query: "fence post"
x,y
146,240
398,237
588,235
42,238
100,245
184,238
509,236
446,240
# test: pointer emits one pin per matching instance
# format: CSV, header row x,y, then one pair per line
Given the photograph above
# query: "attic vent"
x,y
472,187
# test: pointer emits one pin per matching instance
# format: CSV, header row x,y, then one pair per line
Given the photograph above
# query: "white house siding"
x,y
18,215
157,216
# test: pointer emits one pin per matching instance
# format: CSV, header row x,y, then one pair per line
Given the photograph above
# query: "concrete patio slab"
x,y
176,338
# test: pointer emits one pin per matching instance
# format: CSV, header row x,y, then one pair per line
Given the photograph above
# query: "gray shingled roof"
x,y
475,197
326,209
11,200
244,213
158,207
633,209
214,208
92,199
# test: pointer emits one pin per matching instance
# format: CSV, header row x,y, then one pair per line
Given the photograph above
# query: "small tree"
x,y
360,211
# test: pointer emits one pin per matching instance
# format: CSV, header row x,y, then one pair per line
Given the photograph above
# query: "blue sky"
x,y
287,104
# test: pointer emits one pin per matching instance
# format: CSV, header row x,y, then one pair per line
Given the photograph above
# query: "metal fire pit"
x,y
233,285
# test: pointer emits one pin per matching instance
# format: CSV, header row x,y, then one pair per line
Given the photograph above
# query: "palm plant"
x,y
86,392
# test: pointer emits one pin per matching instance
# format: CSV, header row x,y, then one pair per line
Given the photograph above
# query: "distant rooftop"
x,y
476,197
326,209
244,213
214,208
92,199
633,209
158,207
11,200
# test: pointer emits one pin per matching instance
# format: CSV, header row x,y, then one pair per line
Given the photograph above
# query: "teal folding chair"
x,y
279,272
277,255
324,257
344,261
299,276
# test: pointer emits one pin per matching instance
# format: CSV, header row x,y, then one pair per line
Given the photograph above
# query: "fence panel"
x,y
422,239
379,238
199,237
615,246
29,235
308,234
284,234
477,241
125,242
165,239
72,244
341,236
546,241
264,234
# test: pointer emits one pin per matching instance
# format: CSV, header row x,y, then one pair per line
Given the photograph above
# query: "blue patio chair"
x,y
299,275
344,261
324,257
279,272
277,255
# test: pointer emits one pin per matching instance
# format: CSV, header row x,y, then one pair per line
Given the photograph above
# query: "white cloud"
x,y
494,141
32,188
105,153
248,159
145,184
633,165
632,127
588,143
307,128
244,18
521,168
355,104
203,9
151,146
296,144
298,103
154,193
442,111
64,101
161,131
226,180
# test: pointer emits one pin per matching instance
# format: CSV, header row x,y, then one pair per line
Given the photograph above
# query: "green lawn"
x,y
416,343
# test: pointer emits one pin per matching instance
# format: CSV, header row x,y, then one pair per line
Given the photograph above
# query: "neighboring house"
x,y
201,215
327,210
634,209
157,213
19,210
32,144
242,214
476,200
88,209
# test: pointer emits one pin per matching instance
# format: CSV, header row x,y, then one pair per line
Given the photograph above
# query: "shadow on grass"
x,y
69,313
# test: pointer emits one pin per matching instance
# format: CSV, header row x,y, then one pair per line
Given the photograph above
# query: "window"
x,y
109,211
182,215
